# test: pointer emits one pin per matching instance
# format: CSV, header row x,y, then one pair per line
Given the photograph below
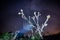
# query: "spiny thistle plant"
x,y
35,18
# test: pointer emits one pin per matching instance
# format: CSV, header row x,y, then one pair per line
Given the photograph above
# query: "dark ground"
x,y
52,37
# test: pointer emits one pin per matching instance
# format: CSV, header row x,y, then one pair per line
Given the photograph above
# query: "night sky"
x,y
11,21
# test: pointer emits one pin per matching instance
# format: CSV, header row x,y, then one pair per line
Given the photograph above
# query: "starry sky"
x,y
11,21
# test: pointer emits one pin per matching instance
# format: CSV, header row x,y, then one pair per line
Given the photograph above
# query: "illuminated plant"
x,y
35,18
